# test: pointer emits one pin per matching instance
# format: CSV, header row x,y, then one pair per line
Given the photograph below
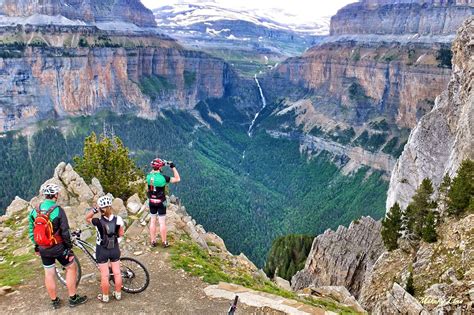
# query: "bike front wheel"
x,y
135,276
61,272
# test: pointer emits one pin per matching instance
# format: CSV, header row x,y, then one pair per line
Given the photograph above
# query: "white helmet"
x,y
51,189
104,201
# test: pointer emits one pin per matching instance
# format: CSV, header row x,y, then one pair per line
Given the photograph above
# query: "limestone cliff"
x,y
57,71
343,257
444,137
89,11
372,80
402,17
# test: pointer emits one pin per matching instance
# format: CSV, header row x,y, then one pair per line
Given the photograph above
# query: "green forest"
x,y
247,190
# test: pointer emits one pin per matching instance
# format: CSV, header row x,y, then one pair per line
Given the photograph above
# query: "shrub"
x,y
107,159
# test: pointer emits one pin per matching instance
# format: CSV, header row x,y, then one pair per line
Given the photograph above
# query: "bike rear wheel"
x,y
135,276
61,272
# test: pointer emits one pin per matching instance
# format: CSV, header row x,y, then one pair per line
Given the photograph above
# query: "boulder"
x,y
399,301
96,187
134,204
243,260
340,294
119,208
21,251
5,232
16,206
282,283
5,290
75,184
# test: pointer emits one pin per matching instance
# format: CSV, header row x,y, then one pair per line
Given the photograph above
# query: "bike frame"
x,y
87,248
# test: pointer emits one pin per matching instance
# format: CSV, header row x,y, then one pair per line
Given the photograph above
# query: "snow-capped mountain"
x,y
249,39
185,14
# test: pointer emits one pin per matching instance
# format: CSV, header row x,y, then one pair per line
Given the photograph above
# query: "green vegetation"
x,y
189,78
444,56
410,288
357,93
188,256
273,191
155,85
381,125
418,221
15,270
83,42
372,142
391,227
461,193
345,136
288,255
107,159
37,42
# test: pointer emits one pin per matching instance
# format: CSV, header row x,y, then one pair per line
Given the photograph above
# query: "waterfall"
x,y
264,104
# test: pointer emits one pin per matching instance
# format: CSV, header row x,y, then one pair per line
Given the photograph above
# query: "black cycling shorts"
x,y
157,208
49,262
104,255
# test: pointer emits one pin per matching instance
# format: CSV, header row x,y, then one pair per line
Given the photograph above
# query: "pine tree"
x,y
461,194
391,227
419,208
443,192
107,159
410,287
429,229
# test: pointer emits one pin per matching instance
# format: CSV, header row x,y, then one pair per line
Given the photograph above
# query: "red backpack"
x,y
43,229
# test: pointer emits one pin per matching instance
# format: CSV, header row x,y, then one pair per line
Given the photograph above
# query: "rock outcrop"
x,y
443,273
443,137
343,257
401,17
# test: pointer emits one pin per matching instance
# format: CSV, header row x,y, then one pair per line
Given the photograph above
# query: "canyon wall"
x,y
421,17
444,137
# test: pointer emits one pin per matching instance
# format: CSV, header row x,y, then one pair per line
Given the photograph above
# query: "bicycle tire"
x,y
133,270
61,272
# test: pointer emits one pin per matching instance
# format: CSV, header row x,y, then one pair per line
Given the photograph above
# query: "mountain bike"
x,y
135,276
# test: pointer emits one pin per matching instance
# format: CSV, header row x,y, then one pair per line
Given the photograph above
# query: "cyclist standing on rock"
x,y
49,232
110,229
156,195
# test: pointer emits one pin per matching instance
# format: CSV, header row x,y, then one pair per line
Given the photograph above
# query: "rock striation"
x,y
402,17
90,11
443,137
343,257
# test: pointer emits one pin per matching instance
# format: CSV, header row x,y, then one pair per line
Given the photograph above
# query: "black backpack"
x,y
109,229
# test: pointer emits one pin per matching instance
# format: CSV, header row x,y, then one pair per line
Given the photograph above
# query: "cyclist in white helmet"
x,y
110,229
49,232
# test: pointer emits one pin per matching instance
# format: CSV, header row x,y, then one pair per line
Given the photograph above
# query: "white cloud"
x,y
306,10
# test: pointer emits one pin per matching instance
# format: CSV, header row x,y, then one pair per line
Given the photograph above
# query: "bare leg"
x,y
104,278
153,228
117,276
50,282
71,278
162,220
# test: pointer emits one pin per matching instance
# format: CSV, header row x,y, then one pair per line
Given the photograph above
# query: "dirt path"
x,y
170,292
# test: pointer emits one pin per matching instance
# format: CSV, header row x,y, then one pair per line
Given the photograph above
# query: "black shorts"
x,y
159,208
104,255
49,262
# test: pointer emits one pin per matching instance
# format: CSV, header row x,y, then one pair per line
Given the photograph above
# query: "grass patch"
x,y
16,269
188,256
154,85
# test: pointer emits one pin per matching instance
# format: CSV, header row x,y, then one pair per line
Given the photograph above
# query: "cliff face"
x,y
444,137
371,81
122,73
343,257
90,11
422,17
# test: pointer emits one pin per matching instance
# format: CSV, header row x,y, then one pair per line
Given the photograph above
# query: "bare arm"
x,y
90,214
175,178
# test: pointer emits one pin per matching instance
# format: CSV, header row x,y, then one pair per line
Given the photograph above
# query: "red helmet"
x,y
157,163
